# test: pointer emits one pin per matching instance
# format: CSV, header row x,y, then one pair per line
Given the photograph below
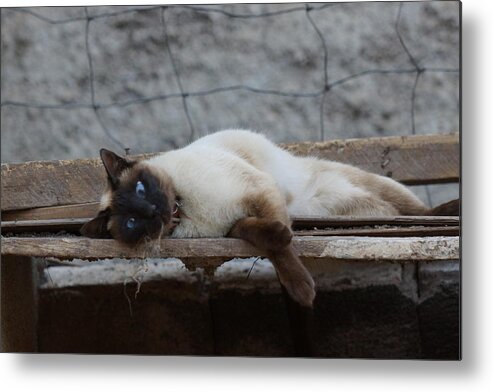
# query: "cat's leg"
x,y
265,234
346,190
269,230
293,275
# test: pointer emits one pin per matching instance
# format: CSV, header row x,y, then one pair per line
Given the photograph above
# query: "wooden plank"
x,y
53,183
386,232
74,224
308,222
419,159
412,160
71,225
86,210
206,252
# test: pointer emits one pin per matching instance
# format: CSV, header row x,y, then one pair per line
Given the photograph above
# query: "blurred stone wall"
x,y
46,96
362,310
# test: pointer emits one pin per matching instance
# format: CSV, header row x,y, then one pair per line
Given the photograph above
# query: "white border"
x,y
473,373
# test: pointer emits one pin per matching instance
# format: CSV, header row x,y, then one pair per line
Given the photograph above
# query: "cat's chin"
x,y
166,229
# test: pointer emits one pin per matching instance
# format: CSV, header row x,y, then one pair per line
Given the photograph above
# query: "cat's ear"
x,y
97,227
114,164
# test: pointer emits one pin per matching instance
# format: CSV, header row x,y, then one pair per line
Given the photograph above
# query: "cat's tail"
x,y
451,208
407,203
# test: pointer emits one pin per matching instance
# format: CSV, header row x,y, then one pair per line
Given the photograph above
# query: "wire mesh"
x,y
322,92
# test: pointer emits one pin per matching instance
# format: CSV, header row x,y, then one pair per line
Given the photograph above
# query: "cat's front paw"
x,y
276,235
301,288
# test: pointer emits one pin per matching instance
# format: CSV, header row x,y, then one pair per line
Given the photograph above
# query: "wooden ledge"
x,y
206,252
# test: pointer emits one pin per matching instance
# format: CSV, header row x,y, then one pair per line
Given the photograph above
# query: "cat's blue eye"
x,y
140,190
130,223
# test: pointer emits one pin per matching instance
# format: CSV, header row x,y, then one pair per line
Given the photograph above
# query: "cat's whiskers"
x,y
152,247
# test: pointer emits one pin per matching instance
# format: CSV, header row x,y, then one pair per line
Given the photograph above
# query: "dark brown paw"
x,y
299,284
274,236
302,291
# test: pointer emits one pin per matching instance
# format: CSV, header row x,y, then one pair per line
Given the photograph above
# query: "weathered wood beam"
x,y
308,222
71,225
207,252
418,159
385,232
86,210
74,224
51,183
412,160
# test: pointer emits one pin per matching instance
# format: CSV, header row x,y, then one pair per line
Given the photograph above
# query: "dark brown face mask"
x,y
139,207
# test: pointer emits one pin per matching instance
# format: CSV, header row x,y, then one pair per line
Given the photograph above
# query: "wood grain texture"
x,y
213,251
308,222
412,160
386,232
53,183
72,225
86,210
419,159
398,222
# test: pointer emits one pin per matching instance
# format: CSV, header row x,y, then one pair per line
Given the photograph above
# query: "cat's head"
x,y
137,205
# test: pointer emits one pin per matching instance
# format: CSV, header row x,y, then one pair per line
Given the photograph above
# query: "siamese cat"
x,y
236,183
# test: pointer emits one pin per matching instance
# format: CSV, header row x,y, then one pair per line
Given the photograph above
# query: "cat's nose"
x,y
150,210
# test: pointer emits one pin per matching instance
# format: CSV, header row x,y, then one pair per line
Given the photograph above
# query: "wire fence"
x,y
414,67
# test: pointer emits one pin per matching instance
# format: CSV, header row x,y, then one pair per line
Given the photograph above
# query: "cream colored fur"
x,y
220,175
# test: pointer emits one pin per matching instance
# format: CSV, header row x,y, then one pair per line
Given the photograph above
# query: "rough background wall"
x,y
46,63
